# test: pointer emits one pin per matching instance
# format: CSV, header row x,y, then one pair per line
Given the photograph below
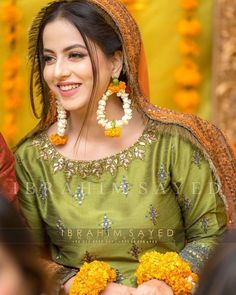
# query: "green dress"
x,y
159,194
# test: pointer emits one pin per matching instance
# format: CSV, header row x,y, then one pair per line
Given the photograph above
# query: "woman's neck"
x,y
91,128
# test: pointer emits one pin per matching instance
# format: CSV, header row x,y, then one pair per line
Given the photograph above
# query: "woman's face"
x,y
68,69
12,281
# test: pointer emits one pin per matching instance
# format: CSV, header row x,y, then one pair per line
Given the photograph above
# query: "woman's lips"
x,y
68,90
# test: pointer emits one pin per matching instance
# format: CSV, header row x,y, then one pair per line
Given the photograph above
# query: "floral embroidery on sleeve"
x,y
196,254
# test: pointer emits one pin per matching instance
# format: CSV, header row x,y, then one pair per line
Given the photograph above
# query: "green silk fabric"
x,y
160,194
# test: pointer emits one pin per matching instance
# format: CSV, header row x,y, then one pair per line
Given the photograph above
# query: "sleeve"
x,y
28,202
29,210
198,194
9,185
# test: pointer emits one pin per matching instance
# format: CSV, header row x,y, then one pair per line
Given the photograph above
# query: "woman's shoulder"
x,y
188,127
28,144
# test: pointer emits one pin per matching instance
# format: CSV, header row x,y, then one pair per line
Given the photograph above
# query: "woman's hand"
x,y
153,287
117,289
68,284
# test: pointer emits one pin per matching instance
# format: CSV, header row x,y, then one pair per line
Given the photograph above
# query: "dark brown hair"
x,y
94,29
219,274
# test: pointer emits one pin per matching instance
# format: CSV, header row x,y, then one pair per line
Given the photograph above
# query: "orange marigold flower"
x,y
189,47
189,4
92,278
168,267
12,64
189,27
15,84
188,75
113,132
187,100
10,14
58,140
13,36
13,102
116,88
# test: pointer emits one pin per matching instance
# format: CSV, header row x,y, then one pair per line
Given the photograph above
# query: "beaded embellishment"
x,y
48,152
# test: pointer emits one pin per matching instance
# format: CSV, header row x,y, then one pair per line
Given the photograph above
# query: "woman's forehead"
x,y
62,34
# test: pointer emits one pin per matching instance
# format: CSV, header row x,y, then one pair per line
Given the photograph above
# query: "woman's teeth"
x,y
68,87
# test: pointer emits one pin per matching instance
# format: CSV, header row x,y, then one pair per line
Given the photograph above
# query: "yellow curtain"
x,y
158,23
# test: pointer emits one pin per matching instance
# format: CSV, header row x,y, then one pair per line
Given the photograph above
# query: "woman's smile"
x,y
68,89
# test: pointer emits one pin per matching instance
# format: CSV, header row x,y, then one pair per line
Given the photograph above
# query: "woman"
x,y
20,272
8,181
165,184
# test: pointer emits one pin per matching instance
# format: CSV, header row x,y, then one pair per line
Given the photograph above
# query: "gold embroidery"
x,y
84,169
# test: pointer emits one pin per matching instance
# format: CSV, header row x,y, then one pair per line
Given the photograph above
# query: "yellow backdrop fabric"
x,y
158,26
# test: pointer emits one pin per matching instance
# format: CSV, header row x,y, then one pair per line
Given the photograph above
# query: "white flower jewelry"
x,y
60,138
113,128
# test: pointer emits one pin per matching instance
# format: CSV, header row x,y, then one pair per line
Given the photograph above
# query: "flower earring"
x,y
60,138
113,128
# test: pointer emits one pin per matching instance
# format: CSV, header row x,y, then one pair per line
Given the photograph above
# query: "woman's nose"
x,y
62,69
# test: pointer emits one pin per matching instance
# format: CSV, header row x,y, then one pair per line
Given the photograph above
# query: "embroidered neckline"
x,y
97,167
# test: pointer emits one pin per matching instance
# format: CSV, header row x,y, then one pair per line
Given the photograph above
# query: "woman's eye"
x,y
48,59
76,55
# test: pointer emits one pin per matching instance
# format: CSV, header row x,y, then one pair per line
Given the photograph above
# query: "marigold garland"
x,y
168,267
188,76
12,84
58,140
92,278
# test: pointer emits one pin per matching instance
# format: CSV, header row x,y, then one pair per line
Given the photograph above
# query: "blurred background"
x,y
190,47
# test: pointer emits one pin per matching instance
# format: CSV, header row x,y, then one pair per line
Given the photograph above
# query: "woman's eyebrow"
x,y
67,48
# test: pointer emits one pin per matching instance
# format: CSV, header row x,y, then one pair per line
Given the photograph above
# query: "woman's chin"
x,y
75,107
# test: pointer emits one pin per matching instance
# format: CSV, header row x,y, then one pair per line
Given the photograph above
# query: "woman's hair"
x,y
219,274
94,27
15,238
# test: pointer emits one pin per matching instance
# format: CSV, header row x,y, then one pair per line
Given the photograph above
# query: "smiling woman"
x,y
158,173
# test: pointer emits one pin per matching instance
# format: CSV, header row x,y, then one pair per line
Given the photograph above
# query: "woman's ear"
x,y
117,63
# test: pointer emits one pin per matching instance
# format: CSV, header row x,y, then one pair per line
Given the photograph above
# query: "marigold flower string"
x,y
12,84
188,76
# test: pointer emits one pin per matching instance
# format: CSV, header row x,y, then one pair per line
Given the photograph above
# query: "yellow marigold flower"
x,y
188,74
58,140
168,267
113,132
189,27
92,278
189,4
188,47
187,100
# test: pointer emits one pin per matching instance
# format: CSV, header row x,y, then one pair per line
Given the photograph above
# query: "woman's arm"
x,y
198,194
29,209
